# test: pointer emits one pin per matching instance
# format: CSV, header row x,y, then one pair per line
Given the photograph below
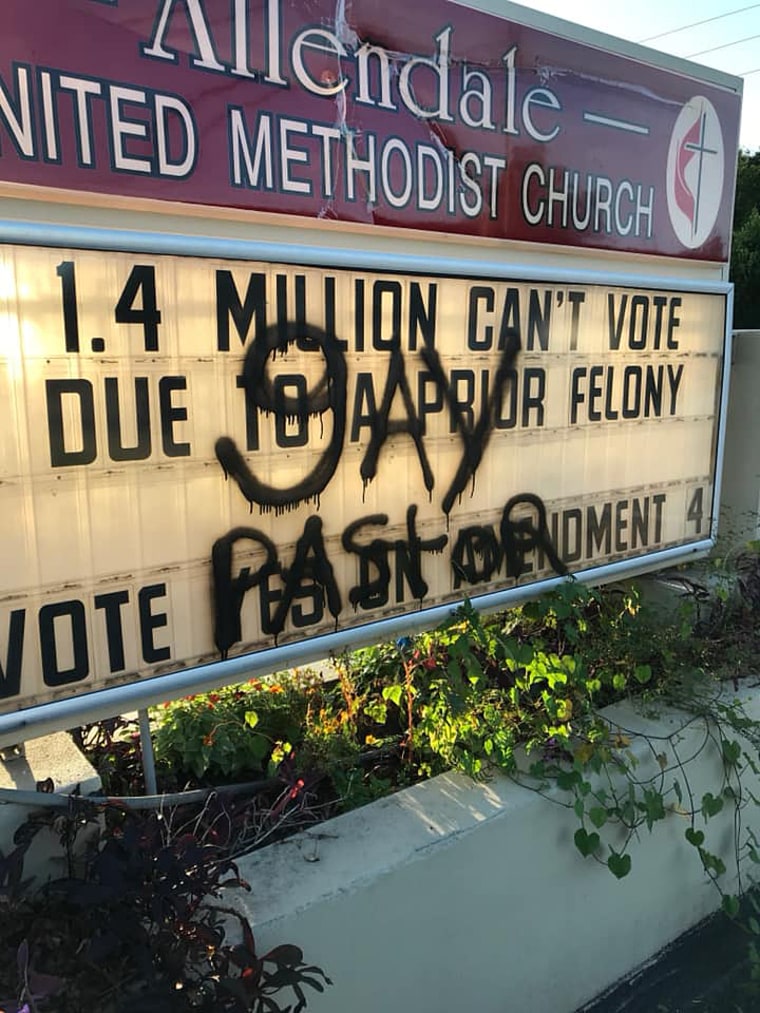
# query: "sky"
x,y
637,20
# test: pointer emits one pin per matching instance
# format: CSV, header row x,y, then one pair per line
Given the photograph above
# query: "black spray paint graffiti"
x,y
384,427
329,394
284,590
311,576
310,571
478,553
475,438
372,593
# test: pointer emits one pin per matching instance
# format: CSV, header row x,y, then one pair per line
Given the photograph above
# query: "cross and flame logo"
x,y
695,172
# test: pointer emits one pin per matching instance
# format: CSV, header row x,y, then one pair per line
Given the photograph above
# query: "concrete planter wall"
x,y
452,896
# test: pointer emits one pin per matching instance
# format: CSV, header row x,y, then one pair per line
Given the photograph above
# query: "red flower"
x,y
296,789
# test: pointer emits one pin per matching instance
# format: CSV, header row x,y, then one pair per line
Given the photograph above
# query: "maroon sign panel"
x,y
420,115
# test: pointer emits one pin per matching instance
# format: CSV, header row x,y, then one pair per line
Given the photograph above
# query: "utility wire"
x,y
694,24
726,45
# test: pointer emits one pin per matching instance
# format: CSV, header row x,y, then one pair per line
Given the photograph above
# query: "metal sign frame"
x,y
67,713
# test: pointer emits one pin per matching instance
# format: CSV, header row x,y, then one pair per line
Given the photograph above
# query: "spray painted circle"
x,y
695,172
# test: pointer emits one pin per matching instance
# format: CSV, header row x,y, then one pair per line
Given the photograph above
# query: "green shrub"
x,y
233,732
461,697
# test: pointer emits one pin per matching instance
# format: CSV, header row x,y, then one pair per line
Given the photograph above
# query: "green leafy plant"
x,y
234,730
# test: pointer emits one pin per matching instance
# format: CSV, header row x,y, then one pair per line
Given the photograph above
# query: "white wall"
x,y
740,493
453,896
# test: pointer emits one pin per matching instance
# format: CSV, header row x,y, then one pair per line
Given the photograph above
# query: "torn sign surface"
x,y
427,116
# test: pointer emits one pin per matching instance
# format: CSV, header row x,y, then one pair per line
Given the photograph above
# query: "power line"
x,y
726,45
694,24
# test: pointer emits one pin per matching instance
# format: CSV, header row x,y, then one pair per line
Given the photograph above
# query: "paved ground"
x,y
704,971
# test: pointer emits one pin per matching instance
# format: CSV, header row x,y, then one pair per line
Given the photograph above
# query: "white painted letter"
x,y
439,67
201,33
322,41
164,105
